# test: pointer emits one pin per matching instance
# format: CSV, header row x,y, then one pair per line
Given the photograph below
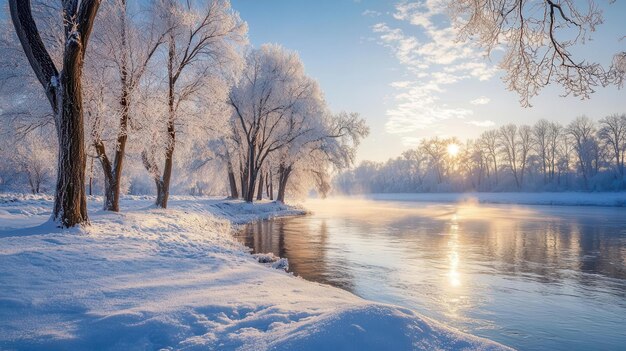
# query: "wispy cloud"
x,y
434,60
483,100
483,124
371,13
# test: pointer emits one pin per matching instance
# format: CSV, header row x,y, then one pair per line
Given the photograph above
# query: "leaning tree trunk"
x,y
64,92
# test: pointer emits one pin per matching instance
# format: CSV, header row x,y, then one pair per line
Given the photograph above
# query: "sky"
x,y
396,63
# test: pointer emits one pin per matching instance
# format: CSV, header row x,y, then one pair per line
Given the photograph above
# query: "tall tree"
x,y
582,131
613,132
64,92
126,42
203,44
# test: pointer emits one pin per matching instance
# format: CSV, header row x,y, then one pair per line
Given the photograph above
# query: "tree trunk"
x,y
112,197
259,194
91,177
252,173
232,181
161,200
283,177
163,189
64,92
163,186
234,193
70,204
114,173
251,186
269,186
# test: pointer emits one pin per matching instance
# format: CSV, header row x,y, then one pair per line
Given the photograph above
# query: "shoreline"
x,y
177,278
603,199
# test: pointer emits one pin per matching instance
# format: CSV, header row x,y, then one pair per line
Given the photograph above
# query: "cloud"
x,y
483,124
371,13
417,107
483,100
434,60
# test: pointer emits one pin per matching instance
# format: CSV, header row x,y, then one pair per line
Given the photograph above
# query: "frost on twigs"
x,y
540,41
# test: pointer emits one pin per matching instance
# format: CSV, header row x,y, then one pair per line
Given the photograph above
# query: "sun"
x,y
453,149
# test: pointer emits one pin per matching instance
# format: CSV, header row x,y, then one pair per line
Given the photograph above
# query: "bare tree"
x,y
582,131
489,142
64,92
539,38
541,131
613,133
513,151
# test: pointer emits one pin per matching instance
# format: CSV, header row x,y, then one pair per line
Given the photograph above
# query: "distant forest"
x,y
585,155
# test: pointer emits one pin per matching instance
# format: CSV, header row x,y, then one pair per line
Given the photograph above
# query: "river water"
x,y
530,277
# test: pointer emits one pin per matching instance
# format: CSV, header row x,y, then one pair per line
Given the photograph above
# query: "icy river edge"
x,y
175,279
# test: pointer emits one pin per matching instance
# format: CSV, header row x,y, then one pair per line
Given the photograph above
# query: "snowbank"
x,y
175,279
615,199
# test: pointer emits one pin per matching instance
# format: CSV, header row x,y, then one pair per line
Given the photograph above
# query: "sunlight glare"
x,y
453,149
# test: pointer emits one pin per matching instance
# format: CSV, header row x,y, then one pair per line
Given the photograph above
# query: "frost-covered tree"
x,y
122,48
582,131
271,103
546,156
63,89
202,51
330,145
613,133
489,143
541,39
34,156
515,144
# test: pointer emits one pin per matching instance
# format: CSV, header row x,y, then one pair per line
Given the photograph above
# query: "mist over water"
x,y
531,277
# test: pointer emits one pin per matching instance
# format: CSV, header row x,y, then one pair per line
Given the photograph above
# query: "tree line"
x,y
164,90
583,155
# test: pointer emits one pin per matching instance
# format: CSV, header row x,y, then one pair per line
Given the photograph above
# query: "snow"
x,y
607,199
170,279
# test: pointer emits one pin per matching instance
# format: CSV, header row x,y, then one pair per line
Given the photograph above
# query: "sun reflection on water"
x,y
453,274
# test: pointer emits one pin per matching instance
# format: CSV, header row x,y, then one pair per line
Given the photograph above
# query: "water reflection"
x,y
531,277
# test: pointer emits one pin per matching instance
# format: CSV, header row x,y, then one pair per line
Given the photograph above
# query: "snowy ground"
x,y
149,279
609,199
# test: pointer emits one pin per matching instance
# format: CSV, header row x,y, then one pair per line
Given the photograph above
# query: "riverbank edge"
x,y
604,199
330,313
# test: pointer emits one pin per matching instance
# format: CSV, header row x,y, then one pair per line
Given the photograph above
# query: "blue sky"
x,y
371,56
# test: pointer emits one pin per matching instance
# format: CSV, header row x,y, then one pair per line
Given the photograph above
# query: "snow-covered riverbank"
x,y
149,279
606,199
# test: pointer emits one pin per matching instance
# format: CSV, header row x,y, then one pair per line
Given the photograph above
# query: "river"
x,y
530,277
